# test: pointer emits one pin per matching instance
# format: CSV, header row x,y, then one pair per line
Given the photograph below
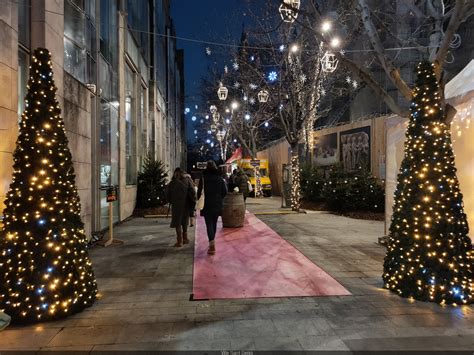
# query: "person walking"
x,y
242,182
181,194
214,189
192,205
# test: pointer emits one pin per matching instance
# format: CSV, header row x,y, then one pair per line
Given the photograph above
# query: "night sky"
x,y
206,20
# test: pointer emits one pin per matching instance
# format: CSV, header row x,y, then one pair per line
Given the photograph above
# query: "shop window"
x,y
130,128
24,28
23,69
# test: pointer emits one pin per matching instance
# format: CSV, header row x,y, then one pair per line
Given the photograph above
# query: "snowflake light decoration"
x,y
253,86
303,78
272,76
323,92
235,65
355,84
252,101
282,48
208,51
342,52
348,79
236,85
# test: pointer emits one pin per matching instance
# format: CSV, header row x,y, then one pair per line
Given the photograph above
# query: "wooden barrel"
x,y
233,212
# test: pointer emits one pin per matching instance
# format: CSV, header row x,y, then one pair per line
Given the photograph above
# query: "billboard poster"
x,y
355,148
325,150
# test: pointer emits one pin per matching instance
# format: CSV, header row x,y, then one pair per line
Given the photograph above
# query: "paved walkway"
x,y
145,287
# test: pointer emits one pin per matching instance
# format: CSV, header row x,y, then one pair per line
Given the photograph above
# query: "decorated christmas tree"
x,y
429,255
45,271
151,189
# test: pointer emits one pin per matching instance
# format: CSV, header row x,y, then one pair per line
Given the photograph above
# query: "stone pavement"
x,y
145,289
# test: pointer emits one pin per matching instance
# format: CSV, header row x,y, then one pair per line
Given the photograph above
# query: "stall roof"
x,y
462,83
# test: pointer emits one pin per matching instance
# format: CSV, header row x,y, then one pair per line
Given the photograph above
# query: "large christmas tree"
x,y
430,255
45,271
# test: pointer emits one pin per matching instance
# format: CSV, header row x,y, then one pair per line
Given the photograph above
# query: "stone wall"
x,y
9,96
76,111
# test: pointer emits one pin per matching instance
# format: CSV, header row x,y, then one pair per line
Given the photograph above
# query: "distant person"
x,y
242,182
232,178
192,205
214,188
181,195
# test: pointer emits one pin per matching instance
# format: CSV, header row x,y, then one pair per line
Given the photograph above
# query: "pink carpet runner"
x,y
254,261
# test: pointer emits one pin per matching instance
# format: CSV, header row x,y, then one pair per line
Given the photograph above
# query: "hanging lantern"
x,y
213,109
213,128
263,96
220,135
288,10
222,92
329,62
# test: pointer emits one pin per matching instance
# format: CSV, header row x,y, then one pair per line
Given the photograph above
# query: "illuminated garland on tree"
x,y
429,255
295,182
45,271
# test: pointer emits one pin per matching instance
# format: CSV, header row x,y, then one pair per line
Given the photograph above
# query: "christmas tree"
x,y
151,189
45,271
429,255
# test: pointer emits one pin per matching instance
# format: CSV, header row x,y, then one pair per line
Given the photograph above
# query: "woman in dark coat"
x,y
181,195
214,191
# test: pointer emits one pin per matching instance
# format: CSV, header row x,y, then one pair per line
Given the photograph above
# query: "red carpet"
x,y
254,261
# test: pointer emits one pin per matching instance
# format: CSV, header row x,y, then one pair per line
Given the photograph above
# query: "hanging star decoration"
x,y
323,92
252,101
355,84
235,65
253,86
342,52
348,79
303,78
208,51
236,85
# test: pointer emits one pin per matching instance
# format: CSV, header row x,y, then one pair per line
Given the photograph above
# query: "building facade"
x,y
120,86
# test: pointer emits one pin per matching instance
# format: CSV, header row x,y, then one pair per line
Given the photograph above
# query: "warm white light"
x,y
294,48
326,26
234,105
335,42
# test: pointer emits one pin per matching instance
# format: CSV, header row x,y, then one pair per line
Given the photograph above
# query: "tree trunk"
x,y
295,178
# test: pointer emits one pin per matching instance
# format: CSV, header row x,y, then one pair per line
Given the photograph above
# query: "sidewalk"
x,y
146,284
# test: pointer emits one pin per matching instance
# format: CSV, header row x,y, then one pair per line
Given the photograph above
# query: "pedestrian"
x,y
242,182
214,189
181,196
192,205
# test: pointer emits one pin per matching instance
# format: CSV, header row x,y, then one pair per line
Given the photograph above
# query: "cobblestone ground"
x,y
145,289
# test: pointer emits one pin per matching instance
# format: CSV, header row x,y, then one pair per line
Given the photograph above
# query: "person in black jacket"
x,y
214,191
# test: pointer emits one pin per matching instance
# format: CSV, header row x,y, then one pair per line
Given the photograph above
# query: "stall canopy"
x,y
235,156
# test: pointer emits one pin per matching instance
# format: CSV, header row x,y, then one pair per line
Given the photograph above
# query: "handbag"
x,y
200,202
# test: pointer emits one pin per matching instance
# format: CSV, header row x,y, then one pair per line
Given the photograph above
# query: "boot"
x,y
179,239
185,238
212,247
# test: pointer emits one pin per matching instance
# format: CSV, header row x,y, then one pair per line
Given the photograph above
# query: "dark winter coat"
x,y
242,182
181,195
214,192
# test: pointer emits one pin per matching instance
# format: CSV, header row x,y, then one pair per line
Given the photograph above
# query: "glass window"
x,y
74,23
143,123
24,22
23,67
74,60
130,128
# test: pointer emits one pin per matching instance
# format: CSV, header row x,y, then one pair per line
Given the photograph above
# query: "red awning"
x,y
235,156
